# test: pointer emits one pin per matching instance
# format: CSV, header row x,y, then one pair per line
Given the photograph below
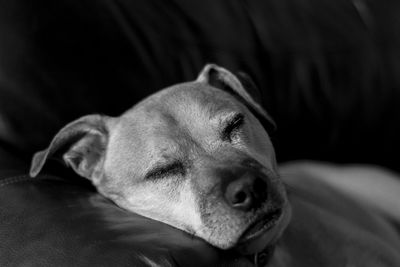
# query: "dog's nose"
x,y
246,193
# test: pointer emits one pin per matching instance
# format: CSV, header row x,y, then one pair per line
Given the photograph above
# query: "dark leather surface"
x,y
49,221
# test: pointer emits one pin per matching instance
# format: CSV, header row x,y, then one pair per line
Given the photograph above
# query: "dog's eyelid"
x,y
165,170
234,122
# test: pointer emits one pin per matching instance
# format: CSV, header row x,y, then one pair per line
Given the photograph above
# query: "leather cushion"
x,y
54,221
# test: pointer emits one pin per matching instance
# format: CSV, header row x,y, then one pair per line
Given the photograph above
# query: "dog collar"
x,y
260,259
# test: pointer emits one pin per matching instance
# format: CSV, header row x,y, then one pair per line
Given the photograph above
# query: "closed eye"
x,y
232,127
163,171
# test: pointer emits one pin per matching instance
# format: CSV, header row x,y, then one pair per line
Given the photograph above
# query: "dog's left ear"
x,y
81,144
241,86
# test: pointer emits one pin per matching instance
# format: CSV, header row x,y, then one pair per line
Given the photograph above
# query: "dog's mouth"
x,y
257,228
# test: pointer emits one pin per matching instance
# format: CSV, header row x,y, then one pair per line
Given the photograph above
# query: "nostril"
x,y
246,193
239,195
239,198
242,200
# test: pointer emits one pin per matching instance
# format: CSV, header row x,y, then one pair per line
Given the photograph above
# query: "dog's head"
x,y
193,155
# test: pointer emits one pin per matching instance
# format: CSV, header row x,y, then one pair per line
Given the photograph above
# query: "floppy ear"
x,y
241,86
81,144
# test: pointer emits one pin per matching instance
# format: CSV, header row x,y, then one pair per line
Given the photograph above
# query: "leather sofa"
x,y
329,73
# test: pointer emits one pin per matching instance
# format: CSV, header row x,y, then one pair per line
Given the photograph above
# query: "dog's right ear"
x,y
81,144
240,85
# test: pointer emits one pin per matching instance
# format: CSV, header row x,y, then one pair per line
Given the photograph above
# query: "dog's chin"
x,y
264,232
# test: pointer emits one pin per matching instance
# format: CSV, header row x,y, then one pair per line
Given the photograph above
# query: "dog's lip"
x,y
261,225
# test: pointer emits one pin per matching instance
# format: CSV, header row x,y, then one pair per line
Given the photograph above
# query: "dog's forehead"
x,y
180,105
168,112
167,122
190,98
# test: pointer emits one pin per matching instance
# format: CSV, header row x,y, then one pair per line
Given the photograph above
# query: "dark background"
x,y
329,70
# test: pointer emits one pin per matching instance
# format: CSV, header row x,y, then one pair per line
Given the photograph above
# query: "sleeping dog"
x,y
198,156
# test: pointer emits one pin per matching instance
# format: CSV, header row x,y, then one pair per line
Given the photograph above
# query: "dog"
x,y
198,156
